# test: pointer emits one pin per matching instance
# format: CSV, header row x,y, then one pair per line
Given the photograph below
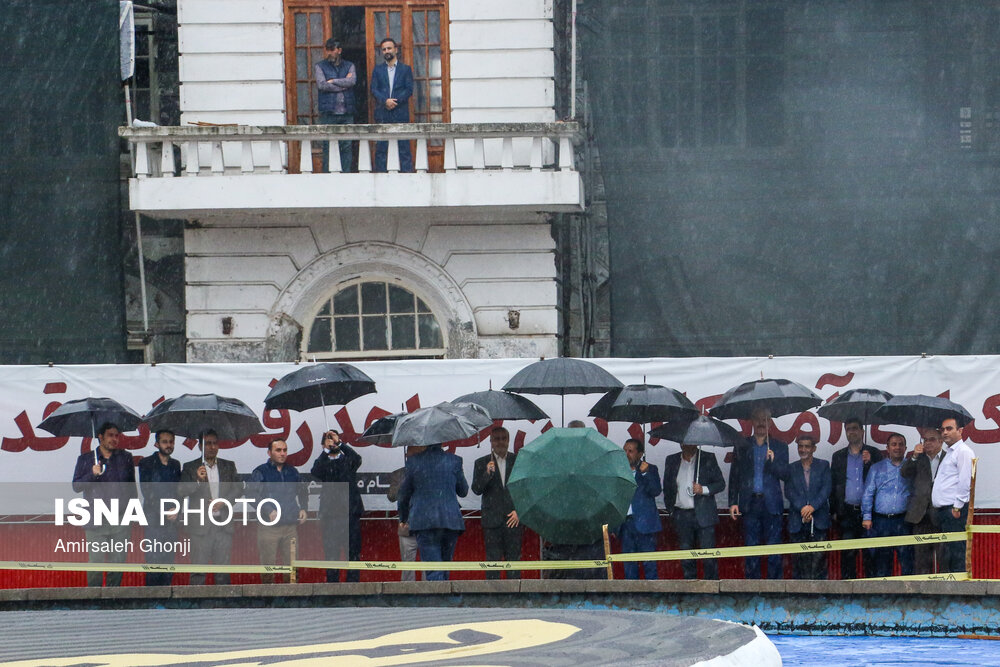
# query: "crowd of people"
x,y
862,492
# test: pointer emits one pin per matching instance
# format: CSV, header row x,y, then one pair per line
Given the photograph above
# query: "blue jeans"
x,y
346,154
884,526
436,545
761,527
635,542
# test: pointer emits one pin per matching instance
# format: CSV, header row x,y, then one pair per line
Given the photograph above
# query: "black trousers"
x,y
333,551
850,529
503,544
690,536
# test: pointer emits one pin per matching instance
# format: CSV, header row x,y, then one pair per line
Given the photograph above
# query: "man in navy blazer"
x,y
691,478
642,523
392,87
755,493
808,493
428,502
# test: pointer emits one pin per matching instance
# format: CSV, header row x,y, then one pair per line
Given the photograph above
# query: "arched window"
x,y
374,319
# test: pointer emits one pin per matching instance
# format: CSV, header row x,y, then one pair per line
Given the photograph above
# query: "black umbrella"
x,y
704,431
191,415
504,405
921,411
444,422
561,376
380,431
644,403
779,397
82,417
859,404
319,385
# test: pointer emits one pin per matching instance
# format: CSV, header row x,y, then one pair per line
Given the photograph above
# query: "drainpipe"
x,y
572,63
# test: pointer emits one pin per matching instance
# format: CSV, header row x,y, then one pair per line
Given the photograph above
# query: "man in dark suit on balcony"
x,y
392,87
691,479
849,471
502,532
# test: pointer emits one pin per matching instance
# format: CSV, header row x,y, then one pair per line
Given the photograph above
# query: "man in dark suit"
x,y
755,493
642,523
849,470
202,481
808,493
921,468
392,87
502,531
338,462
691,478
428,502
159,474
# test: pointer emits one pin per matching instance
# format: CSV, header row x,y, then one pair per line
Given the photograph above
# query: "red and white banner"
x,y
29,393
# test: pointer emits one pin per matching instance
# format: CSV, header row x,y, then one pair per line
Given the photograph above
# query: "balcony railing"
x,y
231,150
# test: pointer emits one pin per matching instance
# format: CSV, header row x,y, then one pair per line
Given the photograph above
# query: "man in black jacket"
x,y
920,469
338,462
849,470
692,505
501,529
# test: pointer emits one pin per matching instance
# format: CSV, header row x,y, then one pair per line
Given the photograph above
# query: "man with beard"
x,y
392,87
951,492
338,462
642,521
335,79
159,474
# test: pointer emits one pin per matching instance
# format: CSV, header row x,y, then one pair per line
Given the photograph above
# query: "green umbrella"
x,y
569,482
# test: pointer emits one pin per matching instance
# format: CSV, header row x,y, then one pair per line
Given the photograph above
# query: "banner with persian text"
x,y
29,393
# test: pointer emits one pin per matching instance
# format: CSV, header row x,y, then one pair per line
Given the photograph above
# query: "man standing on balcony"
x,y
335,78
392,86
849,470
951,492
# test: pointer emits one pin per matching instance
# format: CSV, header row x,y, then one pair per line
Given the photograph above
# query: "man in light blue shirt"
x,y
883,507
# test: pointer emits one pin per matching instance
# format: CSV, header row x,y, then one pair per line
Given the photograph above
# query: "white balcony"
x,y
240,170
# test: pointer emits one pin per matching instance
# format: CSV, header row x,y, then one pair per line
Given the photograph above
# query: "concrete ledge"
x,y
136,593
993,587
752,586
13,594
222,592
976,588
63,594
489,587
416,588
820,587
349,588
861,587
702,586
559,586
277,590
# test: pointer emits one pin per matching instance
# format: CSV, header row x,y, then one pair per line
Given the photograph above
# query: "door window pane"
x,y
419,28
396,25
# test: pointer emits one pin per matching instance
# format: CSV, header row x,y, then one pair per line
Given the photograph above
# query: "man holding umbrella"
x,y
502,531
338,462
642,522
849,470
106,474
202,481
691,478
755,492
952,488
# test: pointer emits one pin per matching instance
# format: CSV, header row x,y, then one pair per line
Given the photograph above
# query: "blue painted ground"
x,y
887,651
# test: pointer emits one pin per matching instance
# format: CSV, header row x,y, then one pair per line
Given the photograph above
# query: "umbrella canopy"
x,y
644,403
503,405
82,417
444,422
859,404
704,431
561,376
921,411
191,415
380,431
780,397
569,482
319,385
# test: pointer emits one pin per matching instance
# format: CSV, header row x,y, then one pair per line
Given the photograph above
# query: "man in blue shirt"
x,y
883,507
849,469
106,474
755,493
335,79
392,87
279,483
159,474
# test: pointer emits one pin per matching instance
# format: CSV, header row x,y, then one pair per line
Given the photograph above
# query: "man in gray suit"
x,y
202,481
920,469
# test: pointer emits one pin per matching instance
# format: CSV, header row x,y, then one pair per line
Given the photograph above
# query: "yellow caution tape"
x,y
455,566
173,568
794,548
943,576
984,529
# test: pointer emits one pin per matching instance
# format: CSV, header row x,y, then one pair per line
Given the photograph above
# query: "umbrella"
x,y
921,411
190,415
319,385
561,376
779,397
644,403
504,405
703,431
569,482
380,431
444,422
859,404
82,417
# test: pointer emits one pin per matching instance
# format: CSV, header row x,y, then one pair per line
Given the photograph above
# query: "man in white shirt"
x,y
950,495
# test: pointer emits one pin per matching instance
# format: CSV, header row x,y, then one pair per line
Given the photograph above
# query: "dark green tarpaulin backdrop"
x,y
61,294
